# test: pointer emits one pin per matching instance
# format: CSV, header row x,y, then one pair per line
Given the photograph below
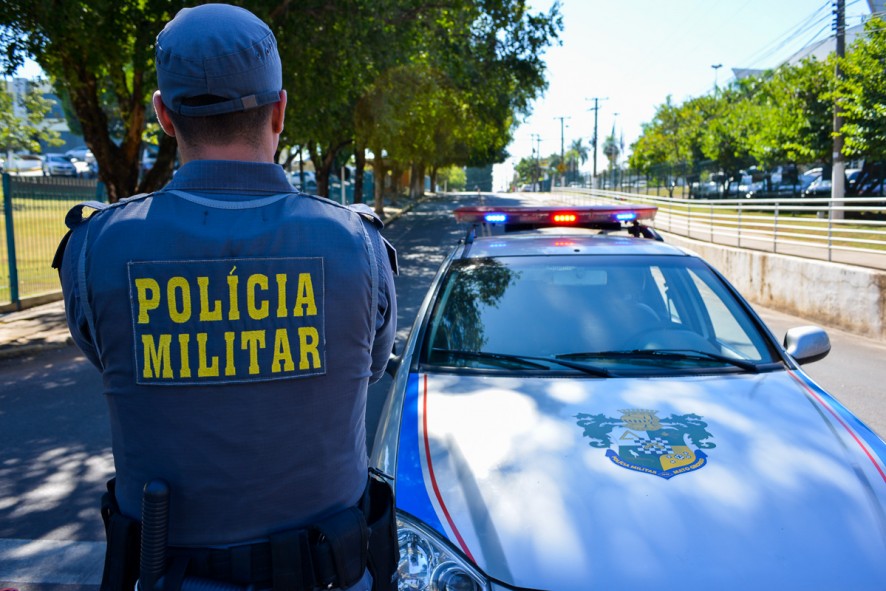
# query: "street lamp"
x,y
716,67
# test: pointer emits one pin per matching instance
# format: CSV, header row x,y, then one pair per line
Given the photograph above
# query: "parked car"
x,y
58,165
581,405
744,187
149,157
22,163
821,187
310,181
82,153
84,161
809,177
706,190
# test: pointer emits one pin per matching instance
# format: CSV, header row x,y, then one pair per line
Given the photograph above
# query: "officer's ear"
x,y
279,113
163,114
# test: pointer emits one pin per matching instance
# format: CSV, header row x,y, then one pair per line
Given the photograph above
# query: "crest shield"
x,y
643,442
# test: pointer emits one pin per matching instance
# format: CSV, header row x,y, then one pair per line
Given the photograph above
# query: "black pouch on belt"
x,y
384,551
123,542
342,544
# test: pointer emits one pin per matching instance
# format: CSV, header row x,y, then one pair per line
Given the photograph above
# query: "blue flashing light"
x,y
626,217
495,218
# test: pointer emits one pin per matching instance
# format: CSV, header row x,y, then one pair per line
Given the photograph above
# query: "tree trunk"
x,y
117,165
326,160
360,162
378,173
396,184
161,172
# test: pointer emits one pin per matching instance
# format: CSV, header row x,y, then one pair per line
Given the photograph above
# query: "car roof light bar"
x,y
588,216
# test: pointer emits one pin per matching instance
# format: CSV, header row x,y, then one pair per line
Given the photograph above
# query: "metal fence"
x,y
34,211
851,231
706,180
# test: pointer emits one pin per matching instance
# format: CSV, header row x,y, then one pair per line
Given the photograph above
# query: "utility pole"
x,y
536,183
838,173
562,153
594,141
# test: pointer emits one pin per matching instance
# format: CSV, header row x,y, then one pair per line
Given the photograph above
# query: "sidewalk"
x,y
33,330
44,327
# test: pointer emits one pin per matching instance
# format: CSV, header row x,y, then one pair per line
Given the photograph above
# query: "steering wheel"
x,y
668,337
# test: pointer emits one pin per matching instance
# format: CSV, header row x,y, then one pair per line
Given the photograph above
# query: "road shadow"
x,y
56,447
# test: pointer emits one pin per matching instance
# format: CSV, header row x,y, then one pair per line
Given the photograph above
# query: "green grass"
x,y
39,225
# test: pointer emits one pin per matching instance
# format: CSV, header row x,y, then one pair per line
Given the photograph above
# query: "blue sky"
x,y
636,53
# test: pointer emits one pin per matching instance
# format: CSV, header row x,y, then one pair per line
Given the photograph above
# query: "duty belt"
x,y
330,554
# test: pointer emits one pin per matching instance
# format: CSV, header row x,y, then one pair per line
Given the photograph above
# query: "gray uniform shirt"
x,y
237,326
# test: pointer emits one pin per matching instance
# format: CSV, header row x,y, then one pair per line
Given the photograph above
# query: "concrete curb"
x,y
12,351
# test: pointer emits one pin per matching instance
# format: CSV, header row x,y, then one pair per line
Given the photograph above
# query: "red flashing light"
x,y
565,218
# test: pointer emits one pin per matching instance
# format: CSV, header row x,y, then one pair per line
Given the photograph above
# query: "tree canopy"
x,y
781,116
478,64
24,133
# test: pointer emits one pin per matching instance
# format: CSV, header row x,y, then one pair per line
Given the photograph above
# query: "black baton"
x,y
155,529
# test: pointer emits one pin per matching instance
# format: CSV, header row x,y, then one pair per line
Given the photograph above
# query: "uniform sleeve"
x,y
386,314
74,310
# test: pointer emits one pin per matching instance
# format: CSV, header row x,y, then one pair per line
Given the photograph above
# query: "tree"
x,y
576,156
528,170
728,125
25,130
472,70
100,54
672,140
862,93
332,51
485,57
792,110
779,116
453,178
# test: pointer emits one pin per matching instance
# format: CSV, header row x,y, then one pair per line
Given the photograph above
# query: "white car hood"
x,y
750,481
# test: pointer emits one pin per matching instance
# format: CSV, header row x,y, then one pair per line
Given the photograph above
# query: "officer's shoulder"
x,y
360,209
76,218
77,215
368,214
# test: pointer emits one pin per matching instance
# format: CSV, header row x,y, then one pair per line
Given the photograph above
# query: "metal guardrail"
x,y
851,231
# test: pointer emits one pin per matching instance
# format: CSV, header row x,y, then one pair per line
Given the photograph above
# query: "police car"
x,y
583,406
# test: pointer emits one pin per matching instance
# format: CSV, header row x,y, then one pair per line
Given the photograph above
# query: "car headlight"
x,y
427,563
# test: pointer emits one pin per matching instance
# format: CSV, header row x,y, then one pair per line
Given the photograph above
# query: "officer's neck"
x,y
240,152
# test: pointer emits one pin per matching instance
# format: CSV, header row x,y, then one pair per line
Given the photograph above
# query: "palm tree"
x,y
580,150
577,154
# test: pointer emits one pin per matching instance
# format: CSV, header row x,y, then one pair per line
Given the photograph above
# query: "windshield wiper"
x,y
674,354
529,361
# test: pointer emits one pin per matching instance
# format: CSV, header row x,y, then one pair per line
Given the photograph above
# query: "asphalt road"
x,y
56,455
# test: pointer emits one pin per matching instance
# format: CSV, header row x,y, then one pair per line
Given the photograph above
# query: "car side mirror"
x,y
807,344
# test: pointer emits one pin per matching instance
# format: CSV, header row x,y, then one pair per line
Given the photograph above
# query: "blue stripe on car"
x,y
412,493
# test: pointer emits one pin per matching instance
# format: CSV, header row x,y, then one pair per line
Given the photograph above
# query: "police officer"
x,y
237,325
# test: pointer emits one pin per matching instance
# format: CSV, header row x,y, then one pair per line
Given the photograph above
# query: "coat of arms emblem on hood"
x,y
642,441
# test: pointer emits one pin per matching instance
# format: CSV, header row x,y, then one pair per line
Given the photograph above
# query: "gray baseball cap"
x,y
220,50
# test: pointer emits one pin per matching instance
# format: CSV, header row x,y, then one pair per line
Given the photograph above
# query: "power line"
x,y
800,28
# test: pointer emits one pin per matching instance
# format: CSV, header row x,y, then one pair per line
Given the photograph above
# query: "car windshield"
x,y
594,315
